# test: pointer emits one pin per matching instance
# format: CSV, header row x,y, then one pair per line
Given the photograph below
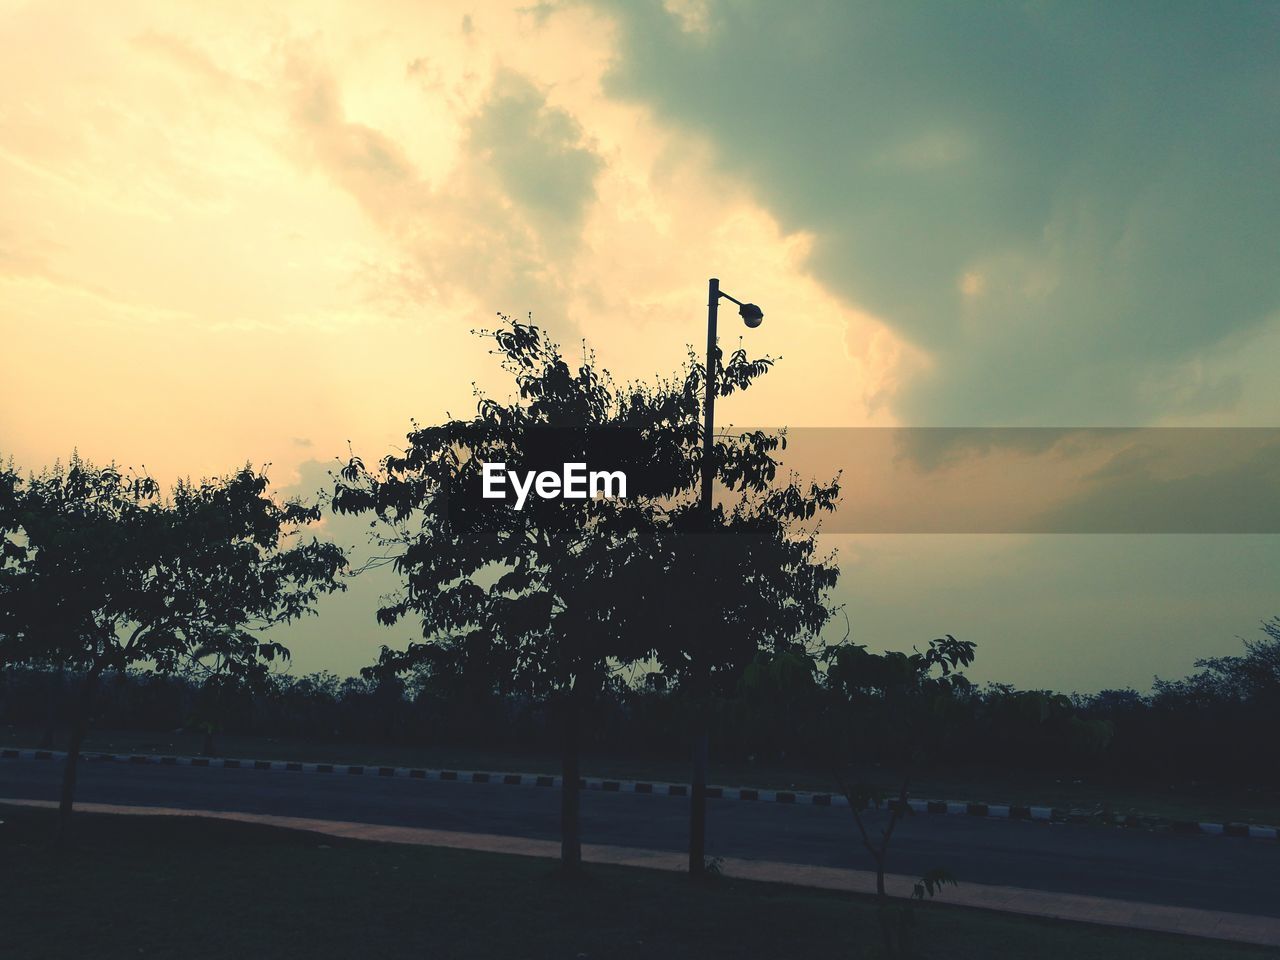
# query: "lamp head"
x,y
751,315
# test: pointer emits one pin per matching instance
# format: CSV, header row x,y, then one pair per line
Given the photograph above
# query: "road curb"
x,y
965,808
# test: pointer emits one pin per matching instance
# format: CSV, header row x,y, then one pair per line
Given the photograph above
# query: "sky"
x,y
266,232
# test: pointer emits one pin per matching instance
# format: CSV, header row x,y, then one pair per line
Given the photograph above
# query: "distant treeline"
x,y
1219,723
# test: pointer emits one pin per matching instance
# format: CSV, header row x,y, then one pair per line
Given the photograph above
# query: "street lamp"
x,y
752,316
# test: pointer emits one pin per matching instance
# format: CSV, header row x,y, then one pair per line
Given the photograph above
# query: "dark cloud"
x,y
1105,174
537,151
504,224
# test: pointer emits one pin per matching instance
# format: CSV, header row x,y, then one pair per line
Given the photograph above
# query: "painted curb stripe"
x,y
994,811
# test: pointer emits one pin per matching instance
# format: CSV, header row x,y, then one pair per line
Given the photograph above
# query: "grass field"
x,y
188,888
1174,801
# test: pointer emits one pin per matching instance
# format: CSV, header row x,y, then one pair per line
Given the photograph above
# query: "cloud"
x,y
195,62
368,164
1109,172
502,223
537,153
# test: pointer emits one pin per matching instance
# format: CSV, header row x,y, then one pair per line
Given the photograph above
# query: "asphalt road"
x,y
1212,873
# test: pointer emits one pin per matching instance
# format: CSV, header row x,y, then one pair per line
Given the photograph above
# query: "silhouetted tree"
x,y
546,599
219,695
746,577
101,573
888,709
752,583
527,600
1253,678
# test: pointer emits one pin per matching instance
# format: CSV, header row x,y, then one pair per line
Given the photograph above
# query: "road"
x,y
1212,873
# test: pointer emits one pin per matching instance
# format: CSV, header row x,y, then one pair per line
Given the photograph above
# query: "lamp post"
x,y
752,316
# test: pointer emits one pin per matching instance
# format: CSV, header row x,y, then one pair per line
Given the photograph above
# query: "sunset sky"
x,y
264,231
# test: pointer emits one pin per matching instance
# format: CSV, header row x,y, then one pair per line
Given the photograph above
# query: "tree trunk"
x,y
570,841
698,801
79,727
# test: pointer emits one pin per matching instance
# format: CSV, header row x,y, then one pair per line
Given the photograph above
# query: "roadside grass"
x,y
1177,801
133,886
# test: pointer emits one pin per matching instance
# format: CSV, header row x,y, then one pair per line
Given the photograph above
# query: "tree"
x,y
888,710
100,573
535,600
740,576
745,582
218,695
1253,678
729,583
548,598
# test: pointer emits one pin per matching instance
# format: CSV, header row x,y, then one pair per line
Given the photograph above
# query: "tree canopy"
x,y
102,572
99,572
547,599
